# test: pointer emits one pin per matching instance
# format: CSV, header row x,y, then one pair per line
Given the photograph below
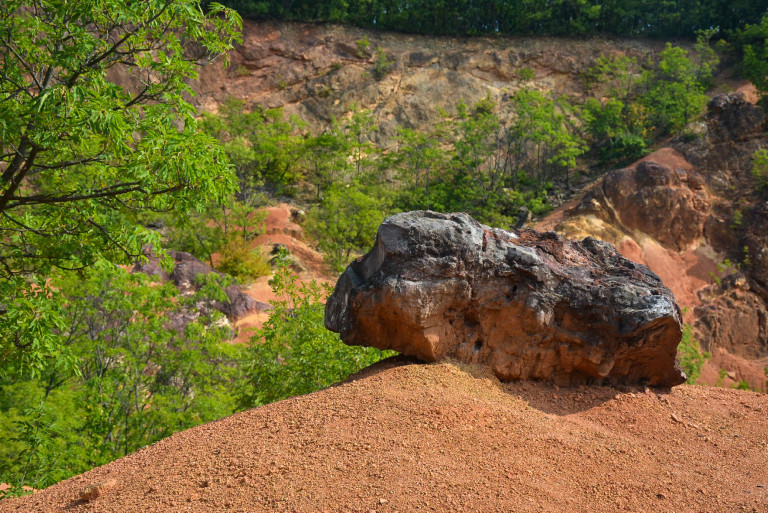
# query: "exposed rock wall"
x,y
687,211
319,71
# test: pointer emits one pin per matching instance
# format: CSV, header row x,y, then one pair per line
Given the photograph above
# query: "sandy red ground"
x,y
442,437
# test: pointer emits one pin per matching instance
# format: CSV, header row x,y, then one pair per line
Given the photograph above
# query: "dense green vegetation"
x,y
494,160
141,374
690,355
297,354
150,362
96,362
751,43
647,18
81,156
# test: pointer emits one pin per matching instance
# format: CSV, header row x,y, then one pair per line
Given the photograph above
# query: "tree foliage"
x,y
752,40
262,144
293,353
80,155
149,363
634,103
647,18
345,222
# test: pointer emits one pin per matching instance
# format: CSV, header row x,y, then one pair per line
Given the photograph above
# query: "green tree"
x,y
81,154
418,162
150,362
675,90
358,129
262,144
753,41
326,158
293,353
345,222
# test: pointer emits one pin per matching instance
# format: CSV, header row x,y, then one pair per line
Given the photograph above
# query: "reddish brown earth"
x,y
441,437
280,229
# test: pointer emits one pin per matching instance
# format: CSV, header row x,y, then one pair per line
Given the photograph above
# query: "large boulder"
x,y
529,305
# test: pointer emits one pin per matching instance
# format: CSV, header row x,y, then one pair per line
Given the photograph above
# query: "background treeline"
x,y
646,18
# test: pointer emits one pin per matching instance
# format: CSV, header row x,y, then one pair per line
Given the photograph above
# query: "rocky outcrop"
x,y
691,211
667,204
733,118
529,305
318,71
184,275
733,318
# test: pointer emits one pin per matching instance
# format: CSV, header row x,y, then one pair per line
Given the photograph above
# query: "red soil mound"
x,y
440,437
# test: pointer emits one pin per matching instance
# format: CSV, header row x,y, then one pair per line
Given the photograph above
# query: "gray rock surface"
x,y
530,305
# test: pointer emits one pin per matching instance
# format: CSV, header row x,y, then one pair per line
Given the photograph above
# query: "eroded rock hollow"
x,y
529,305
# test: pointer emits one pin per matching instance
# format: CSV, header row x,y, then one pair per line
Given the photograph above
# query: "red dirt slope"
x,y
441,437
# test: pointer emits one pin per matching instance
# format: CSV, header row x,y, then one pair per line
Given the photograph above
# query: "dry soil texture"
x,y
405,437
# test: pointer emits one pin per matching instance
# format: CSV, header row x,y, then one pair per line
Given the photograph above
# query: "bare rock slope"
x,y
320,71
440,437
527,304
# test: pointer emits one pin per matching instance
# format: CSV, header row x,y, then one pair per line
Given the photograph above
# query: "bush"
x,y
742,385
345,222
238,259
362,47
381,63
293,353
760,168
690,355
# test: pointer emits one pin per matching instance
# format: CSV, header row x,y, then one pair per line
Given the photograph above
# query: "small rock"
x,y
383,501
97,490
677,419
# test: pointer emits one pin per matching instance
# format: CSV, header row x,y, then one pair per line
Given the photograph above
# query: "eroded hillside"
x,y
690,222
320,71
692,212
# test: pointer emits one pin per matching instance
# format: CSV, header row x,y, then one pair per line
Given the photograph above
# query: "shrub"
x,y
760,168
293,353
526,74
690,355
362,47
238,259
381,63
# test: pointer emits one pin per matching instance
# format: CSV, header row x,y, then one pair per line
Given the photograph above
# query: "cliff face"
x,y
691,211
321,71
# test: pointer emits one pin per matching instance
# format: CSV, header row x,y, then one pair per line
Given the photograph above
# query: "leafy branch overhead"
x,y
80,155
74,142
